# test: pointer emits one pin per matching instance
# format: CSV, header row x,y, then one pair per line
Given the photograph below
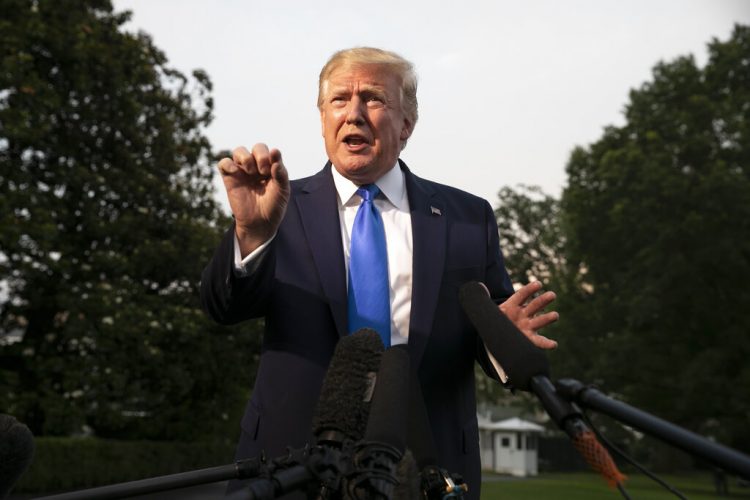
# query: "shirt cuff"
x,y
498,369
251,262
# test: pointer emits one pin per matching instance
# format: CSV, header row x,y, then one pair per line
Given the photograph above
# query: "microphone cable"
x,y
622,454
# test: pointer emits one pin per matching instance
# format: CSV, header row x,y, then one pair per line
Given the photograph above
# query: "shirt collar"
x,y
392,184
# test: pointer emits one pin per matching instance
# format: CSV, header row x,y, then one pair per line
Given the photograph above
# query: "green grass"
x,y
585,486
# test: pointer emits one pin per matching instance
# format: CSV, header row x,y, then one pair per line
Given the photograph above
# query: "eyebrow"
x,y
365,90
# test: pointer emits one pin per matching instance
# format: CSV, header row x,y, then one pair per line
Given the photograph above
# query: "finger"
x,y
523,293
280,175
245,161
262,159
278,170
543,342
275,156
539,322
540,302
227,167
240,155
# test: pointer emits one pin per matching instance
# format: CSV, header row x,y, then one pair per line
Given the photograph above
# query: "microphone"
x,y
344,402
16,452
527,369
344,405
520,359
339,420
376,458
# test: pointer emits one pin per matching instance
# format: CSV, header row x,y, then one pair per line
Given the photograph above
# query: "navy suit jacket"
x,y
300,290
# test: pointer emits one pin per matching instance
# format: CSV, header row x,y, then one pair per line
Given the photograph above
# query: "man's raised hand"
x,y
257,185
526,313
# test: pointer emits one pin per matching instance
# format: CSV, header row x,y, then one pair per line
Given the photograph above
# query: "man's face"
x,y
363,123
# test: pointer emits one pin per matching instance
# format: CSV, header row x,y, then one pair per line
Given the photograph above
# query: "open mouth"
x,y
355,140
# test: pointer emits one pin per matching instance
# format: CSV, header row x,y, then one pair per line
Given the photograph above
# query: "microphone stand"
x,y
728,459
270,479
243,469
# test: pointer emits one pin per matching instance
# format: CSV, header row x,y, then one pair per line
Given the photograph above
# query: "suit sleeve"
x,y
497,281
228,298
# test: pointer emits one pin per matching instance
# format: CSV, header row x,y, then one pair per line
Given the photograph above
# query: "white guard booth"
x,y
509,446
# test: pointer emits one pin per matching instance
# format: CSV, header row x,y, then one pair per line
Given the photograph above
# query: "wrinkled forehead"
x,y
380,75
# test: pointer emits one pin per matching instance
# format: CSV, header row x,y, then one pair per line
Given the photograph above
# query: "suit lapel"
x,y
318,211
429,238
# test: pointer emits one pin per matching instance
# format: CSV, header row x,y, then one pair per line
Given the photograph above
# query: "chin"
x,y
355,168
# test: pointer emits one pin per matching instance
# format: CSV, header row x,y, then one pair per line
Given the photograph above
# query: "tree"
x,y
657,221
106,219
530,233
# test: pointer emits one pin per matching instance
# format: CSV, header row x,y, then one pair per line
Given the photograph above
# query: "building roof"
x,y
509,424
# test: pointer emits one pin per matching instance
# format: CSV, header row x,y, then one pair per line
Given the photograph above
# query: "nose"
x,y
355,112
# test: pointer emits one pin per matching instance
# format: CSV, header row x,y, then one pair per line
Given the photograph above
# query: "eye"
x,y
338,100
375,100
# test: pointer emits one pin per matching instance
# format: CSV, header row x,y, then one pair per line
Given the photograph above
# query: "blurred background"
x,y
612,138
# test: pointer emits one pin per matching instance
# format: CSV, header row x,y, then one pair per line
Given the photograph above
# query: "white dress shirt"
x,y
393,204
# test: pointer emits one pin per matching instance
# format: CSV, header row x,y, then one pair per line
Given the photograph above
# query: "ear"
x,y
322,122
406,130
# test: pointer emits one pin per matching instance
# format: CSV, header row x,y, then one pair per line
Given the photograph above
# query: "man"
x,y
287,258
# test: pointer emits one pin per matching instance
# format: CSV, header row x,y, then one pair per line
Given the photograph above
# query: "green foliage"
x,y
649,249
530,234
657,221
65,464
106,219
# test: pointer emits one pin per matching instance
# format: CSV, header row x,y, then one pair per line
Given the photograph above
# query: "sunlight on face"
x,y
362,121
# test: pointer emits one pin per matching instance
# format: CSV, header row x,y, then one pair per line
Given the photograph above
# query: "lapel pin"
x,y
435,211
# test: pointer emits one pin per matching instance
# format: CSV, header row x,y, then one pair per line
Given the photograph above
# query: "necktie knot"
x,y
368,192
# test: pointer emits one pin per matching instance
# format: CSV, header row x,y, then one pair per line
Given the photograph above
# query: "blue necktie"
x,y
369,298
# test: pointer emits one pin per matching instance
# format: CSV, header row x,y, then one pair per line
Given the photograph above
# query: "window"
x,y
505,442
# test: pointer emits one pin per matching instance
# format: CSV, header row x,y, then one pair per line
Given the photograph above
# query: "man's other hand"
x,y
257,185
525,311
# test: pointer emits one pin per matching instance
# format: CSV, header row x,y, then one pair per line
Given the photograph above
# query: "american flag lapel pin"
x,y
435,211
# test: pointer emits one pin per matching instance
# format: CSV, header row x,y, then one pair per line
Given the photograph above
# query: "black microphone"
x,y
384,442
340,419
343,408
520,359
344,403
527,369
16,452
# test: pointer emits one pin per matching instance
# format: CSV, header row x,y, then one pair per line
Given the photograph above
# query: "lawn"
x,y
584,486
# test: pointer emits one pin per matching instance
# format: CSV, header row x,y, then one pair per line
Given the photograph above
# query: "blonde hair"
x,y
370,56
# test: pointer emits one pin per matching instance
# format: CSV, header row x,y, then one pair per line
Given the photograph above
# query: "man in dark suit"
x,y
286,259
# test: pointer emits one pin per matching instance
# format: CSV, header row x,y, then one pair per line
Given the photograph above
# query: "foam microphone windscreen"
x,y
344,403
388,413
16,452
519,358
